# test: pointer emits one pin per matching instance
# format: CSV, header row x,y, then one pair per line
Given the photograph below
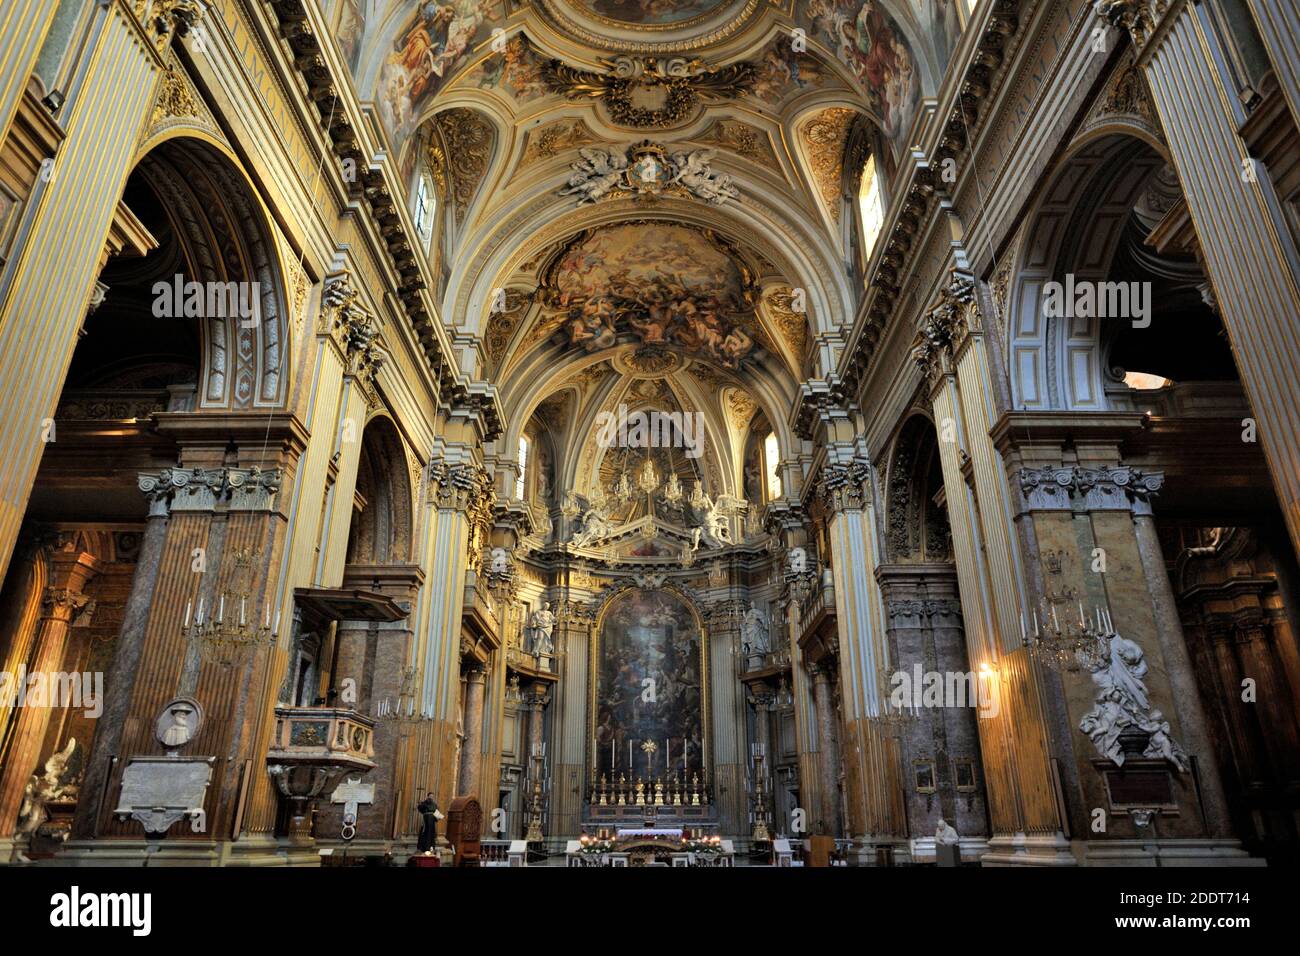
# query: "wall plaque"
x,y
158,791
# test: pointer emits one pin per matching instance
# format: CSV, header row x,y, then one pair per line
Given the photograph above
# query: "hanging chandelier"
x,y
1068,647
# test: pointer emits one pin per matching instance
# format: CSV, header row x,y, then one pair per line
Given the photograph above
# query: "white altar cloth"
x,y
667,833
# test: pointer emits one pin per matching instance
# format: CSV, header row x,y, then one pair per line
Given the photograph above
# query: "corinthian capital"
x,y
945,325
353,328
1139,17
844,485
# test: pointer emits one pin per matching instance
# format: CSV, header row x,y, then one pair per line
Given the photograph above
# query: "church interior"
x,y
649,433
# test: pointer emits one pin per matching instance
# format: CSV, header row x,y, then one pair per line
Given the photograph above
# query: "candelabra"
x,y
893,719
220,640
1069,646
402,710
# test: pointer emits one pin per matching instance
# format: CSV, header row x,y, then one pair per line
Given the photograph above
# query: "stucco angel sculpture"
x,y
598,172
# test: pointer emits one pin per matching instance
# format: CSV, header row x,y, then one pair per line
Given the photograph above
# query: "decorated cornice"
x,y
334,102
965,111
201,489
1115,488
820,401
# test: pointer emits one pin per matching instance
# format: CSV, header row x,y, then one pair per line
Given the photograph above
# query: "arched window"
x,y
772,465
426,204
523,466
871,207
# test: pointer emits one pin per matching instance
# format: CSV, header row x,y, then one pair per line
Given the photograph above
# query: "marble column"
x,y
1178,666
827,759
471,754
127,651
23,28
43,301
70,572
571,740
1249,252
762,699
1017,744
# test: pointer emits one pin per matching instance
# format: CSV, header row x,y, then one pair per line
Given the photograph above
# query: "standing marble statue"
x,y
754,631
541,624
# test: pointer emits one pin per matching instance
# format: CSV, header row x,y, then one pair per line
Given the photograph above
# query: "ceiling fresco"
x,y
650,12
665,285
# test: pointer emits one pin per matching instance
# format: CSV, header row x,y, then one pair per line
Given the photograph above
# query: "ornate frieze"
x,y
1115,488
921,613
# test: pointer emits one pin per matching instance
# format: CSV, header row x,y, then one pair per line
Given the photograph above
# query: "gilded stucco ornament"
x,y
676,87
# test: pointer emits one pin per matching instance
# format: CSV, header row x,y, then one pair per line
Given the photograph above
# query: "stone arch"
x,y
381,531
916,526
224,236
1075,230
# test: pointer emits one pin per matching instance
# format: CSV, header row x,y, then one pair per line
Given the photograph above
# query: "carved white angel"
x,y
692,171
713,531
1122,703
61,779
596,174
596,526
